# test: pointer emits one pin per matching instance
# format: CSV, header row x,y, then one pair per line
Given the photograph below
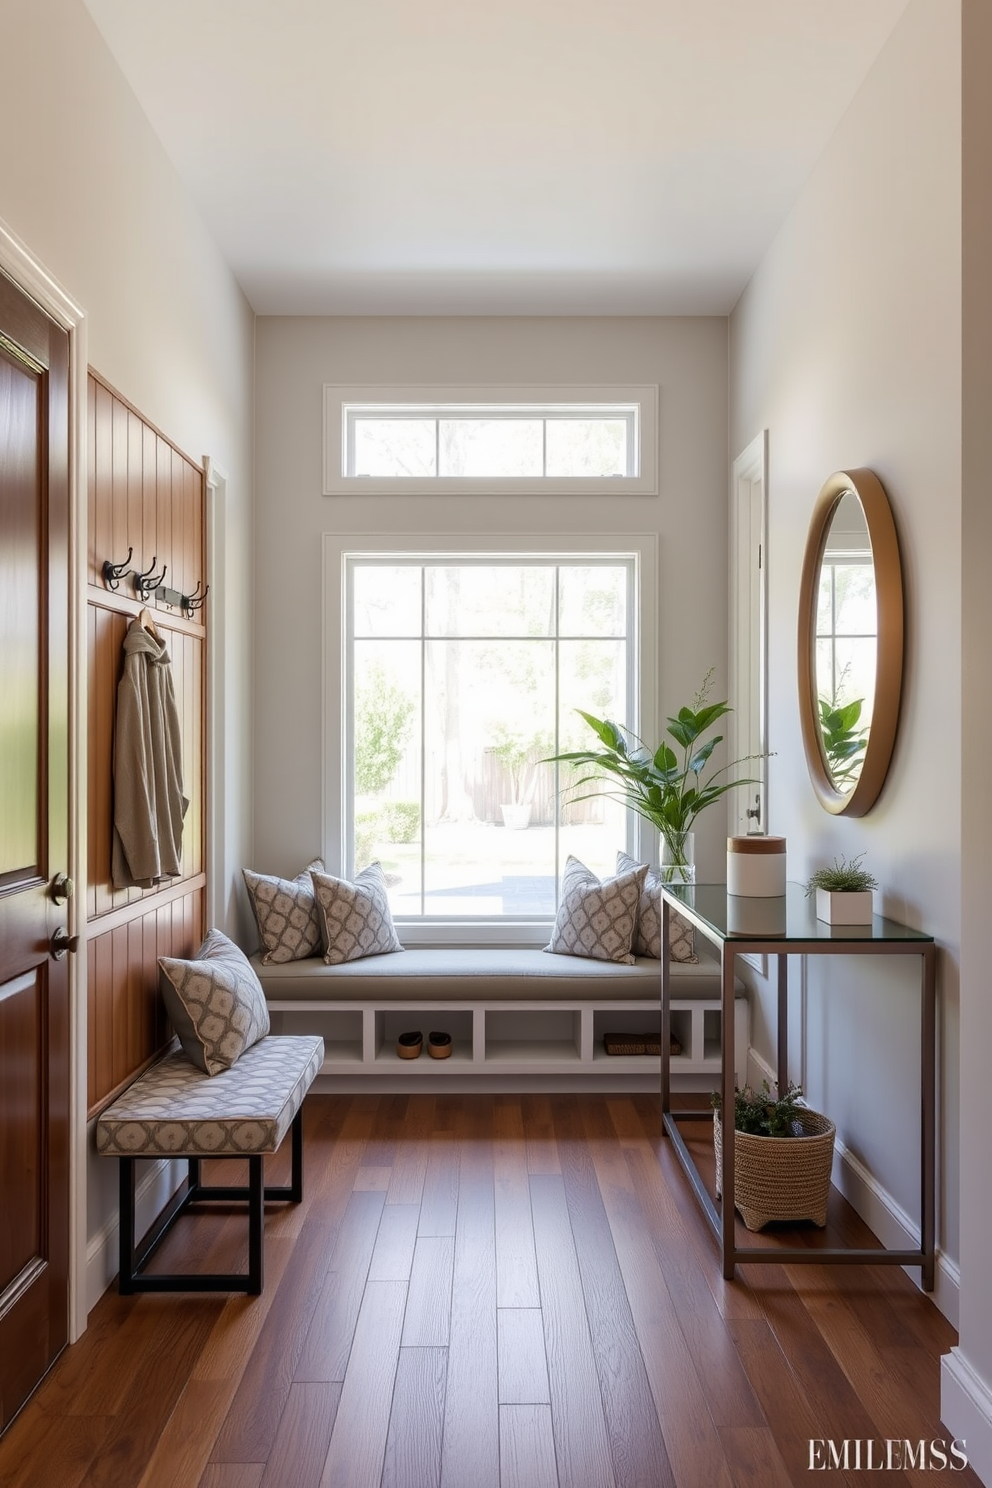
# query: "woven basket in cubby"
x,y
784,1178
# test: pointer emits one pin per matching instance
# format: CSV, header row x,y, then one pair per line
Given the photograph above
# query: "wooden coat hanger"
x,y
147,622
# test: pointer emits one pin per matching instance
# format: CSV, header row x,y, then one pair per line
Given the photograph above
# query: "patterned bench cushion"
x,y
174,1109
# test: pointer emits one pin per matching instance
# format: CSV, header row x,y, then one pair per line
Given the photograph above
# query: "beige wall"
x,y
87,188
85,184
846,346
295,357
967,1396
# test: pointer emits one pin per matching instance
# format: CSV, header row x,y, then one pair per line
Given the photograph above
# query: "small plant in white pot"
x,y
843,892
516,750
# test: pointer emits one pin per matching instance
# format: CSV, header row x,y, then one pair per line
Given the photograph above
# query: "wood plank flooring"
x,y
488,1292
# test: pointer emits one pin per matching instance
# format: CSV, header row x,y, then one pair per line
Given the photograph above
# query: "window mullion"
x,y
423,740
557,768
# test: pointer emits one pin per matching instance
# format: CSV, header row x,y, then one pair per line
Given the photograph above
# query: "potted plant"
x,y
783,1152
843,892
516,750
666,788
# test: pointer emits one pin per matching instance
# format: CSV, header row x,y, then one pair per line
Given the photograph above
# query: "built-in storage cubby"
x,y
513,1045
530,1037
386,1025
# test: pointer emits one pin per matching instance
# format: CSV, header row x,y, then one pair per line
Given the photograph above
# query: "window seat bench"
x,y
520,1018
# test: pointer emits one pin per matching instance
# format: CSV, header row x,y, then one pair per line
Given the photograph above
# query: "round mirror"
x,y
850,642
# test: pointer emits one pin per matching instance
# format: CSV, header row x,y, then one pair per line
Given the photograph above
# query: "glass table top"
x,y
791,918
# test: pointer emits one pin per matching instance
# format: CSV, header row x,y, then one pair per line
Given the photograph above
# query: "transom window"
x,y
490,440
478,442
463,674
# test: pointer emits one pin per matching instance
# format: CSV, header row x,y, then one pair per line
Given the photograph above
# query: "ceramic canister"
x,y
756,867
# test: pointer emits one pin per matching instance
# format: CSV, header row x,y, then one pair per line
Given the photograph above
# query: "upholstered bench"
x,y
520,1017
177,1110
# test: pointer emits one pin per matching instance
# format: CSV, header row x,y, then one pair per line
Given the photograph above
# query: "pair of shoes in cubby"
x,y
410,1045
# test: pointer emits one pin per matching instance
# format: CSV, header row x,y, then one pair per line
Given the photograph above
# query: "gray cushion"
x,y
427,975
215,1002
174,1109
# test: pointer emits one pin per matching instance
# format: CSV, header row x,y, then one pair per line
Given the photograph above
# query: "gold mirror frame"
x,y
888,668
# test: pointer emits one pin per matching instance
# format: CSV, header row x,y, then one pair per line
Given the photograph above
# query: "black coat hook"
x,y
190,601
145,583
114,572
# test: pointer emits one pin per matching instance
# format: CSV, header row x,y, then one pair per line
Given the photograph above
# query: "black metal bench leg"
x,y
134,1254
296,1181
256,1223
126,1268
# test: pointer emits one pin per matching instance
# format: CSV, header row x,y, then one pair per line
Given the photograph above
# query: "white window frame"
x,y
342,400
338,548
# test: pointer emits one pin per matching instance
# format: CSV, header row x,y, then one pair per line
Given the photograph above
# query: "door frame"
x,y
30,275
748,639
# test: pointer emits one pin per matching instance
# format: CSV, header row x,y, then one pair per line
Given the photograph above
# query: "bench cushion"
x,y
498,974
175,1109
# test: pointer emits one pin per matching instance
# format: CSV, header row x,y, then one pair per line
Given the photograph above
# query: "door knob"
x,y
61,942
62,888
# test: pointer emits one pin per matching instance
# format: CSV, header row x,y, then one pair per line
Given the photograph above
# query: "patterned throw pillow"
x,y
647,940
215,1002
597,918
285,911
355,918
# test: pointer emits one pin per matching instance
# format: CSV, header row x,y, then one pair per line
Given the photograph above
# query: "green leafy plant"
x,y
383,725
762,1114
665,787
842,877
844,742
401,821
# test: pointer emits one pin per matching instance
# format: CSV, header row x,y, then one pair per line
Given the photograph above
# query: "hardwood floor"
x,y
489,1292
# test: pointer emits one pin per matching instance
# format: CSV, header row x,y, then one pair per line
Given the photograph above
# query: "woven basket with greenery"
x,y
784,1178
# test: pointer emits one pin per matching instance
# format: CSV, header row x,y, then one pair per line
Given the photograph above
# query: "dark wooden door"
x,y
34,796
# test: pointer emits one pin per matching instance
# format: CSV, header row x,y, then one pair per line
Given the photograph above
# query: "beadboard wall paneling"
x,y
146,495
127,1022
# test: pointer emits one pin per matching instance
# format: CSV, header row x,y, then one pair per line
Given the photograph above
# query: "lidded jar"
x,y
756,866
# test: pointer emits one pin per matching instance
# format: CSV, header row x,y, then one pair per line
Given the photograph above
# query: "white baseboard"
x,y
966,1410
153,1193
881,1213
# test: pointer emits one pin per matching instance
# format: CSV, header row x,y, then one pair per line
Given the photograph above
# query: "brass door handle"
x,y
61,942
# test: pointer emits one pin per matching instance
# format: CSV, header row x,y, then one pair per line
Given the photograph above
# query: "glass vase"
x,y
678,858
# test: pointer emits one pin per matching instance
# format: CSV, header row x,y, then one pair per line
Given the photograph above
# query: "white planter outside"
x,y
844,908
516,816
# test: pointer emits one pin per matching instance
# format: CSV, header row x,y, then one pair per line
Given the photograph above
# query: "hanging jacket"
x,y
149,804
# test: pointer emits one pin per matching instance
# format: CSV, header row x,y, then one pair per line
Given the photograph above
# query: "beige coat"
x,y
149,804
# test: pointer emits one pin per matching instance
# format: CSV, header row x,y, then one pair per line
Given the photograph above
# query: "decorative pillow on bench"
x,y
215,1003
285,911
355,918
647,939
597,918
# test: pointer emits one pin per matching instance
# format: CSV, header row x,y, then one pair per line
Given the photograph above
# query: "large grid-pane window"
x,y
463,676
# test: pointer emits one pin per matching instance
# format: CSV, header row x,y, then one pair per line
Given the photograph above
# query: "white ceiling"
x,y
494,156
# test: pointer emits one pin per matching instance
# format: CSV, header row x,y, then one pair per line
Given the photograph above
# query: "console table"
x,y
780,928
